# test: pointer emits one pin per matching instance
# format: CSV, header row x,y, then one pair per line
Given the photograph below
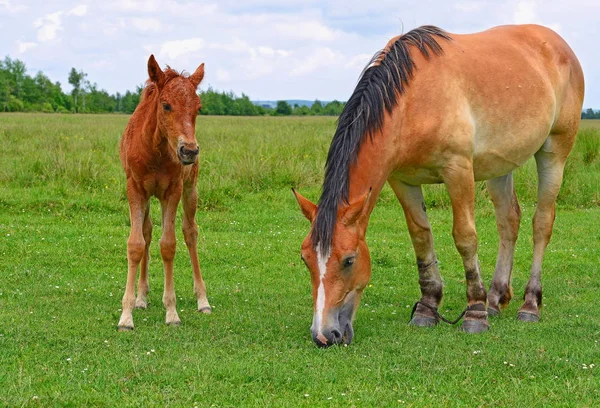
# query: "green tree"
x,y
77,80
283,108
316,108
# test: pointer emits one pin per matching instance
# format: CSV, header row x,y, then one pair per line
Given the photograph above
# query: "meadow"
x,y
63,230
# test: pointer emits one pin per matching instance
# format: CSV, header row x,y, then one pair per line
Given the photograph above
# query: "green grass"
x,y
63,230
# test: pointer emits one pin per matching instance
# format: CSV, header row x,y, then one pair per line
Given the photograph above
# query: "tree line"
x,y
20,92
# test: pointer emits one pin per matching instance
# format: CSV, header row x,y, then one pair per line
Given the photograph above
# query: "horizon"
x,y
302,50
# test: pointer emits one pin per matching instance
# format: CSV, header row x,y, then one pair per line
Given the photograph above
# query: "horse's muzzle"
x,y
339,330
186,155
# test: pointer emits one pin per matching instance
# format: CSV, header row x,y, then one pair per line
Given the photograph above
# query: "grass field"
x,y
63,230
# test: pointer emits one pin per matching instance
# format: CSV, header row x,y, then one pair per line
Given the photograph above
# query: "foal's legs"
x,y
460,183
167,251
550,166
143,287
135,252
190,234
508,218
419,228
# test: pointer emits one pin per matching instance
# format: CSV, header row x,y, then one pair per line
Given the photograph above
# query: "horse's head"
x,y
338,274
177,108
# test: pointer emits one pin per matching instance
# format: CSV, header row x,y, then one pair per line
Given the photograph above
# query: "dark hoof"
x,y
205,310
174,324
423,321
493,312
124,328
475,326
528,317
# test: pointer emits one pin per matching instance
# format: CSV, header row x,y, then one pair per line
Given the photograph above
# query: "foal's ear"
x,y
154,72
308,209
357,210
197,76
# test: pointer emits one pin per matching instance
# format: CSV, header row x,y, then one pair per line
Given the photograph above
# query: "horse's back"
x,y
495,96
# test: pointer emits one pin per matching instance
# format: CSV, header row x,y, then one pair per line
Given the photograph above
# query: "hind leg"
x,y
508,218
143,287
190,234
419,228
550,160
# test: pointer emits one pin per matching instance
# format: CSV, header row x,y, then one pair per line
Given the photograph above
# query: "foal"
x,y
159,154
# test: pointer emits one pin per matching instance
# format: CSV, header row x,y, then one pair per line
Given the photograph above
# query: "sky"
x,y
267,49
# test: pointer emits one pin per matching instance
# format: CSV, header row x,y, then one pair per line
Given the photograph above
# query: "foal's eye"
x,y
166,107
348,262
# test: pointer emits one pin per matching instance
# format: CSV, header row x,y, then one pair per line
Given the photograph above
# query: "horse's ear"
x,y
197,76
154,72
308,209
357,210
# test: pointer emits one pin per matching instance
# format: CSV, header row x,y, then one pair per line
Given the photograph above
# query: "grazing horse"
x,y
435,107
159,154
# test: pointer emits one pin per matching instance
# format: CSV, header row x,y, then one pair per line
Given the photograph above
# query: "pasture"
x,y
63,230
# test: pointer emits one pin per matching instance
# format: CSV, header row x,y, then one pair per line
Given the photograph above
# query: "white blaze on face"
x,y
322,261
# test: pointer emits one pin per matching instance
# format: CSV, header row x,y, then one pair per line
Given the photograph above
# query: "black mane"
x,y
378,88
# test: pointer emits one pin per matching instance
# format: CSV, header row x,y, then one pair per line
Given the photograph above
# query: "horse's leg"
x,y
460,183
190,234
550,166
508,218
167,251
143,287
135,252
419,228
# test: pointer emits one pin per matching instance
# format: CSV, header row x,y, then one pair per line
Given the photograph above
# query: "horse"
x,y
435,107
159,154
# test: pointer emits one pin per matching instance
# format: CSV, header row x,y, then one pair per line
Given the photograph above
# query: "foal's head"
x,y
340,273
177,107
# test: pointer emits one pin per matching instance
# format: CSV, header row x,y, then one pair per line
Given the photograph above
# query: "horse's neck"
x,y
372,169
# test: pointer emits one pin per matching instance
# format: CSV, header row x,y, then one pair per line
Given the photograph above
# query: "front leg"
x,y
167,250
411,198
459,180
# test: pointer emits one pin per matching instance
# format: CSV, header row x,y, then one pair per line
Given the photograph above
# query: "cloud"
x,y
48,26
146,24
24,46
320,57
12,8
524,12
223,75
79,11
174,49
307,30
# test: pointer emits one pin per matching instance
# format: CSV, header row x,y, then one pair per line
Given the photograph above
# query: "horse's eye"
x,y
166,107
348,262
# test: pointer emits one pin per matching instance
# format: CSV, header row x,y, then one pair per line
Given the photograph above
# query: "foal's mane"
x,y
377,91
151,90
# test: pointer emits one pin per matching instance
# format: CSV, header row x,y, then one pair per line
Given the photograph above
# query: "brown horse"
x,y
435,107
159,154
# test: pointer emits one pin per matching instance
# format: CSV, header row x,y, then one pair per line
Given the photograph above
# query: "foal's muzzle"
x,y
187,153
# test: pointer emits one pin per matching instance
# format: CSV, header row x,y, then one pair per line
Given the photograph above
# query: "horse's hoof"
x,y
528,317
423,321
140,304
176,323
205,310
124,328
493,312
475,326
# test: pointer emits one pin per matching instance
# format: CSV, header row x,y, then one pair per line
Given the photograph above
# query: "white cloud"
x,y
359,61
469,6
223,75
79,11
320,57
24,46
146,24
48,26
307,30
174,49
524,12
12,8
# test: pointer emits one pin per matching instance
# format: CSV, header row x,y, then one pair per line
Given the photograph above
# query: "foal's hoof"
x,y
141,304
475,326
175,323
423,321
528,317
493,312
205,310
124,328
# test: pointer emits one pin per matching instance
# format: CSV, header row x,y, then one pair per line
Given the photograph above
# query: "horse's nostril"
x,y
336,336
